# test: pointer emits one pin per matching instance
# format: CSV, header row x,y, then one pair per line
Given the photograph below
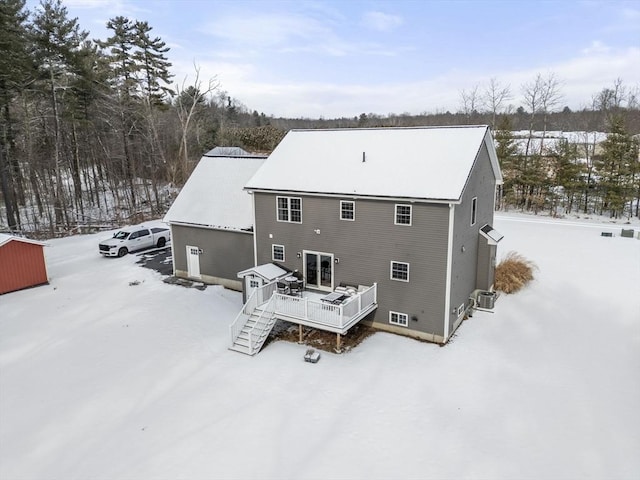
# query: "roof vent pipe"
x,y
363,157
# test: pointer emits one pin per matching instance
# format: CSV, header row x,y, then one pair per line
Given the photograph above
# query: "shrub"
x,y
513,273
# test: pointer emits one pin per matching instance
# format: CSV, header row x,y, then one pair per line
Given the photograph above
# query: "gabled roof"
x,y
430,163
268,271
213,196
4,238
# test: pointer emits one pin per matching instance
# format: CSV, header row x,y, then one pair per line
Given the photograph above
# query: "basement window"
x,y
397,318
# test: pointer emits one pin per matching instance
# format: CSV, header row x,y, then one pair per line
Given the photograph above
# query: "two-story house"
x,y
396,219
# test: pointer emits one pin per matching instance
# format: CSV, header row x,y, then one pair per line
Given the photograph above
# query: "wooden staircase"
x,y
255,331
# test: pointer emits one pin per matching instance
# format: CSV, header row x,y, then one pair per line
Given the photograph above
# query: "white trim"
x,y
395,214
273,253
319,272
255,236
446,201
474,210
399,314
173,253
352,202
391,271
447,290
210,227
289,209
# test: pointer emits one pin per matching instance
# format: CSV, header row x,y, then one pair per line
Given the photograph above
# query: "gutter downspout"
x,y
447,293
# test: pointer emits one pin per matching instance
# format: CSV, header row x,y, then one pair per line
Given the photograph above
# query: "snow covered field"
x,y
103,379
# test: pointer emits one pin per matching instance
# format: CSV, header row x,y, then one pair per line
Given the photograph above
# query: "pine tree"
x,y
507,150
153,64
16,69
56,39
618,168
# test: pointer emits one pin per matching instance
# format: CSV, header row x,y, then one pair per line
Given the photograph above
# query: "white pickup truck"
x,y
135,238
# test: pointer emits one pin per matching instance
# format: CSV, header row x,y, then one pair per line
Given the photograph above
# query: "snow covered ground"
x,y
103,379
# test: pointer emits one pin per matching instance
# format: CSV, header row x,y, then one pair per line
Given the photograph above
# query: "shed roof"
x,y
4,238
213,196
268,271
431,163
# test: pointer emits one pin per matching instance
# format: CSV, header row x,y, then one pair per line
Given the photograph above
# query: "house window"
x,y
460,310
474,209
254,283
277,253
347,210
289,209
397,318
403,215
400,271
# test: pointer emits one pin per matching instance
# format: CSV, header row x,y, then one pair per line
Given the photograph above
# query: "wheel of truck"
x,y
161,242
122,252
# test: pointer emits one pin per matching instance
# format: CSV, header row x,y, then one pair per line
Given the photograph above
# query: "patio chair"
x,y
283,288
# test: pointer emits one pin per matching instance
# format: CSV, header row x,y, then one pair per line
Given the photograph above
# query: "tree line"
x,y
97,132
93,131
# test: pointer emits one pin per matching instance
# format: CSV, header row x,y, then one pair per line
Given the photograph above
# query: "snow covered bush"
x,y
513,273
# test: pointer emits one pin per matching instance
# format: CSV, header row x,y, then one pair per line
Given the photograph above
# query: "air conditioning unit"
x,y
486,300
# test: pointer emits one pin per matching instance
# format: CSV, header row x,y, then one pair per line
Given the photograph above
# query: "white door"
x,y
193,261
251,283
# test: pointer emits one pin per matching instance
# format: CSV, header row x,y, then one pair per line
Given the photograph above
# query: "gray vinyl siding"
x,y
481,184
224,252
365,247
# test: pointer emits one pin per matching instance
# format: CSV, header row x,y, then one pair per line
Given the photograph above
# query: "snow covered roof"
x,y
213,195
4,238
268,271
419,162
227,152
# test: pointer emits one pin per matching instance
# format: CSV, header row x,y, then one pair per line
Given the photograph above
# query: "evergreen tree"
x,y
16,69
507,150
56,41
618,168
153,64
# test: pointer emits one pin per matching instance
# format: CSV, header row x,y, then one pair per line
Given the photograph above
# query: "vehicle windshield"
x,y
121,235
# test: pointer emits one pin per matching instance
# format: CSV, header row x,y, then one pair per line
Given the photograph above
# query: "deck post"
x,y
338,337
300,333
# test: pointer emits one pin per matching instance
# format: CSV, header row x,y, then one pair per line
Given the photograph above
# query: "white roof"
x,y
268,271
420,162
4,238
213,195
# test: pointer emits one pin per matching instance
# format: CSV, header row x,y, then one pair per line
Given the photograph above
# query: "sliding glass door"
x,y
318,270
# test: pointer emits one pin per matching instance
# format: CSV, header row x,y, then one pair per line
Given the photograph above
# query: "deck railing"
x,y
302,308
325,314
259,296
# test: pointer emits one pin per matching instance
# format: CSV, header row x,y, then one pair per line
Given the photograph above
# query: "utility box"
x,y
486,300
627,233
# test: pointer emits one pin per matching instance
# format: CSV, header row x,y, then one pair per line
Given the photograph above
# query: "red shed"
x,y
22,263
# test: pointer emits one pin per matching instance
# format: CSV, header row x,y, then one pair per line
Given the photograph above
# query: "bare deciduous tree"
x,y
187,101
494,98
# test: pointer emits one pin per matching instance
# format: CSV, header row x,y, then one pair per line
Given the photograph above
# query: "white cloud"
x,y
596,47
581,77
382,22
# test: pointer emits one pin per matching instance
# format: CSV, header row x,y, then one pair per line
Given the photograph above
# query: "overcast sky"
x,y
342,58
